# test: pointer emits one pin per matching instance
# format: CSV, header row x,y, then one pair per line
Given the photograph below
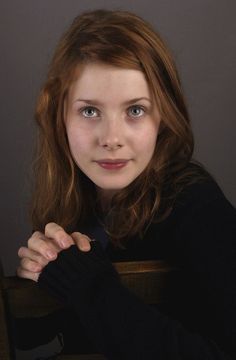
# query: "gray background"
x,y
201,34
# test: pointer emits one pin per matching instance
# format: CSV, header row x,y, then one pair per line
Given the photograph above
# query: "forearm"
x,y
121,325
131,329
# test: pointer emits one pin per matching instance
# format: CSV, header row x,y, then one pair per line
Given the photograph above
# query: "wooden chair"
x,y
149,280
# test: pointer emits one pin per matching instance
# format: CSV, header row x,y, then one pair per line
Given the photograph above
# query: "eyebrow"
x,y
96,102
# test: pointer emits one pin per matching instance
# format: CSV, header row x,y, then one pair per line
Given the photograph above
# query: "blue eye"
x,y
136,111
89,111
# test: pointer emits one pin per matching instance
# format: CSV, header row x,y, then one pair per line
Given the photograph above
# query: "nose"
x,y
111,134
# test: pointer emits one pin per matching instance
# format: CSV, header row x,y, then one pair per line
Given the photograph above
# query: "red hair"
x,y
62,193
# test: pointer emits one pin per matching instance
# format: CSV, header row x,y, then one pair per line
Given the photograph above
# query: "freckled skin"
x,y
108,127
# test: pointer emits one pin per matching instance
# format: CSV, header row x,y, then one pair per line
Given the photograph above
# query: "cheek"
x,y
146,142
78,142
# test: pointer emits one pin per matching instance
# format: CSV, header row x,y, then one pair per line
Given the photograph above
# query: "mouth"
x,y
112,164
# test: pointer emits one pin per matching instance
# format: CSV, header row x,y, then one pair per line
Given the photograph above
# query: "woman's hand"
x,y
44,247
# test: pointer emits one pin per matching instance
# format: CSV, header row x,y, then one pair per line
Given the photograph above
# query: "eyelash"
x,y
93,108
138,107
86,108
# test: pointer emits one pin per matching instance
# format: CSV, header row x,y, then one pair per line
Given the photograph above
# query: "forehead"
x,y
99,80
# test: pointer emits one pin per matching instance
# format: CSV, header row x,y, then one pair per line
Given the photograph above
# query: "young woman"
x,y
115,181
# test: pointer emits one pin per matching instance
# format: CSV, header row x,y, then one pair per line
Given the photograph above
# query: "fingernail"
x,y
85,247
50,254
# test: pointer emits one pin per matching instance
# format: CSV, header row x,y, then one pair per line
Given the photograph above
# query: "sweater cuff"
x,y
78,277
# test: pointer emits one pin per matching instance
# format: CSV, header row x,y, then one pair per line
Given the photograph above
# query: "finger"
x,y
53,244
25,252
30,265
82,241
27,274
58,234
43,246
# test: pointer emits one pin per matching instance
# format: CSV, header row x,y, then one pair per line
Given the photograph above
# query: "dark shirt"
x,y
199,237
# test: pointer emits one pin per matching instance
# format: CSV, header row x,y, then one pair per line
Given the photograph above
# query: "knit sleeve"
x,y
118,322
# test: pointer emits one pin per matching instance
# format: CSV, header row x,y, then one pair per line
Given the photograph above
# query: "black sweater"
x,y
200,323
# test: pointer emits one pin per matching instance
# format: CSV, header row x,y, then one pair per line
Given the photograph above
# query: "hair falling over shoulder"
x,y
61,192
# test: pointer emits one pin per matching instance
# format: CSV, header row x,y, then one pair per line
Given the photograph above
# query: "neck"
x,y
104,198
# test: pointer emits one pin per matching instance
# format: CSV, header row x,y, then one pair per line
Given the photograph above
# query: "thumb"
x,y
81,240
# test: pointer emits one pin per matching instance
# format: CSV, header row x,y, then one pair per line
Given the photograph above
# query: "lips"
x,y
114,164
113,161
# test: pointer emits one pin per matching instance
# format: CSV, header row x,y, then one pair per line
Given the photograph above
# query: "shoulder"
x,y
202,212
202,224
201,216
198,195
198,192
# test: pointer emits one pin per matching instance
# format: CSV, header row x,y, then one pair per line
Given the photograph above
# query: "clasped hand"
x,y
44,247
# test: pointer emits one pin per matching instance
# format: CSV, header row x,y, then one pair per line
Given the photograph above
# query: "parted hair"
x,y
61,192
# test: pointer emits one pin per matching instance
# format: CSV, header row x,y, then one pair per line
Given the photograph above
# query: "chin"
x,y
111,187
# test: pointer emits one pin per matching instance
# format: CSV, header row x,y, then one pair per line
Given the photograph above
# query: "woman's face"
x,y
111,124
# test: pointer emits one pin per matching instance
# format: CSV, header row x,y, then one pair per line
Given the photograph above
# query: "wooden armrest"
x,y
147,279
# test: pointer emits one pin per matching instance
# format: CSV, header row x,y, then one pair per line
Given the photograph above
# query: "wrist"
x,y
79,277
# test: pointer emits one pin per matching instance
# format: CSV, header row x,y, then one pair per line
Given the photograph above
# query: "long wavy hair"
x,y
61,192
